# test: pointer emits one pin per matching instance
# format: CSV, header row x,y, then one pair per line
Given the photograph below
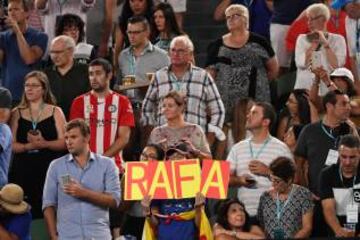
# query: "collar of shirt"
x,y
70,158
148,48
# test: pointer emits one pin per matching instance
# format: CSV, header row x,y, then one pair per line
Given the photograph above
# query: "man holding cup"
x,y
339,184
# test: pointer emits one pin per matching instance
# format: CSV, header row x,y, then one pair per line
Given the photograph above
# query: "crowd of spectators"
x,y
88,85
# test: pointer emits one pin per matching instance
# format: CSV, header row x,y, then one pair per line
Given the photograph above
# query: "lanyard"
x,y
260,150
61,4
342,180
342,183
329,134
35,122
335,19
178,83
280,209
248,3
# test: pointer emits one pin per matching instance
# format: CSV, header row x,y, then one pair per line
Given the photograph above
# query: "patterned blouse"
x,y
291,215
192,132
241,72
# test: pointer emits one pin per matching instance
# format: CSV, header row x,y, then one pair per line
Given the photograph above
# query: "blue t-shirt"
x,y
5,155
14,68
260,16
175,230
285,11
19,225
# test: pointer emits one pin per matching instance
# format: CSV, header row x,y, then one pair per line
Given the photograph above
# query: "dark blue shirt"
x,y
175,230
19,225
260,16
5,155
14,68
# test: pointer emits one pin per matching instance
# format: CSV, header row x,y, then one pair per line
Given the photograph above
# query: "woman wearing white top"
x,y
318,48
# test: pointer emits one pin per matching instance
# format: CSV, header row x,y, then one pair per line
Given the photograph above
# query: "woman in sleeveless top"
x,y
38,130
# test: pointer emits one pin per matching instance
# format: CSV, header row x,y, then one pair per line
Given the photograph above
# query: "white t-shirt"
x,y
240,157
304,77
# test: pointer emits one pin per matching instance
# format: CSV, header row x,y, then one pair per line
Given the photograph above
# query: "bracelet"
x,y
199,205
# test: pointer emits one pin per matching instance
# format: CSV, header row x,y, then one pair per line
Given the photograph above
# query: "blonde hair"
x,y
239,9
319,9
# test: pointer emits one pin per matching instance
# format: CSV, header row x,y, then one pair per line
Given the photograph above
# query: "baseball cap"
x,y
343,72
5,98
337,4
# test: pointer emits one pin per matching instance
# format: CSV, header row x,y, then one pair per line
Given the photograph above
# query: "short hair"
x,y
80,124
106,65
350,141
24,3
241,10
70,20
319,9
330,97
68,41
222,218
179,98
140,19
185,39
283,167
268,112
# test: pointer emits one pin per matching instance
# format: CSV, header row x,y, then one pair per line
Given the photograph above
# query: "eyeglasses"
x,y
135,32
275,180
148,156
311,19
234,16
53,52
27,85
179,51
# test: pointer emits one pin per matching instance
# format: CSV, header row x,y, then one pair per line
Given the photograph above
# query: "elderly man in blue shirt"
x,y
80,188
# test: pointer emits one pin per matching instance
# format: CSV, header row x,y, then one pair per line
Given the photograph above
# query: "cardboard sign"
x,y
214,183
176,179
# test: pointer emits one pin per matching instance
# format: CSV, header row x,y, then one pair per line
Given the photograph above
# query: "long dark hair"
x,y
171,25
128,13
303,105
222,218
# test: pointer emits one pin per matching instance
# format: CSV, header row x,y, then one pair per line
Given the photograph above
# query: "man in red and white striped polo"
x,y
109,114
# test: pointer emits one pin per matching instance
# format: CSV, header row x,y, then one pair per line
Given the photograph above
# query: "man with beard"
x,y
80,188
249,159
110,117
109,114
337,183
317,147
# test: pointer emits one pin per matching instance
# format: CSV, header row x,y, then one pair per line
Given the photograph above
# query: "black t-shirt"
x,y
314,145
65,88
331,186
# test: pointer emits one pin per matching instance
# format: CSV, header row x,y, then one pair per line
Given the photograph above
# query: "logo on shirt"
x,y
89,109
112,108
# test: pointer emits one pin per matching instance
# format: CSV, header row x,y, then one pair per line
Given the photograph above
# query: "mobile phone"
x,y
316,60
251,180
314,36
65,179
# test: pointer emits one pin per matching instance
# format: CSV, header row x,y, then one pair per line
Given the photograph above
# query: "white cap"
x,y
343,72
